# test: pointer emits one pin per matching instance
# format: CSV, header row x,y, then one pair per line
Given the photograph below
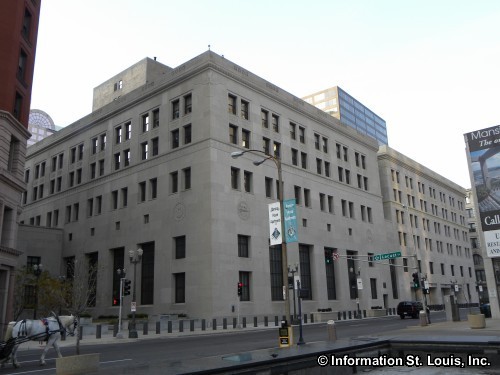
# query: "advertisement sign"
x,y
290,221
275,223
484,156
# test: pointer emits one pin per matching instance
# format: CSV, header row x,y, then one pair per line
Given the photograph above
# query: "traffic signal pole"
x,y
119,333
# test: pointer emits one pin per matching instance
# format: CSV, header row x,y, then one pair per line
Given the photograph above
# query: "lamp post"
x,y
293,271
135,257
121,273
284,256
37,271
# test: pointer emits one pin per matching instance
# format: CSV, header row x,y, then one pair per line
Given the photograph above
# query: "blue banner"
x,y
290,215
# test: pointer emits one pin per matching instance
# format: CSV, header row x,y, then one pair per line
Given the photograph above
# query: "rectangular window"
x,y
330,204
269,187
231,104
233,134
266,145
325,145
101,167
103,142
307,198
322,201
373,287
244,278
76,211
303,160
117,161
277,150
118,135
175,138
235,178
93,147
264,118
174,182
330,274
156,118
72,154
180,287
245,138
78,176
187,134
295,157
327,169
187,178
276,123
188,104
175,109
59,184
145,122
114,199
247,181
71,180
298,192
142,191
319,165
155,147
276,272
293,131
98,200
153,187
305,269
244,109
124,197
180,247
302,134
243,246
126,158
316,141
144,151
128,131
90,207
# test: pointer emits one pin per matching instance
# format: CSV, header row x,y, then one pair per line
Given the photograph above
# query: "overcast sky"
x,y
430,69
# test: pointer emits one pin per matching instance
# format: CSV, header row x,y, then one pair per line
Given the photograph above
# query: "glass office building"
x,y
338,103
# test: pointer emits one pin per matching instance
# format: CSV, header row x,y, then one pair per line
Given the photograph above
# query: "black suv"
x,y
410,308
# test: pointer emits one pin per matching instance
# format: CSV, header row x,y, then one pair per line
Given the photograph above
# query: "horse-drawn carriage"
x,y
46,329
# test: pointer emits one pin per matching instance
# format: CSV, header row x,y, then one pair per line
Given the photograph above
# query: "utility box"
x,y
285,335
451,309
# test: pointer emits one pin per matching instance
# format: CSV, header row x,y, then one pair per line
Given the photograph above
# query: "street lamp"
x,y
284,256
135,257
121,274
37,271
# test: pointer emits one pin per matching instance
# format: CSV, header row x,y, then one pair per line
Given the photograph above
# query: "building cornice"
x,y
15,123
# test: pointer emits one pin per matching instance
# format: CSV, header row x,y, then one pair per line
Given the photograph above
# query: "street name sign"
x,y
396,254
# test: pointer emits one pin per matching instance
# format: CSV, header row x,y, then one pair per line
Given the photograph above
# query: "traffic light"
x,y
416,283
126,287
115,301
240,288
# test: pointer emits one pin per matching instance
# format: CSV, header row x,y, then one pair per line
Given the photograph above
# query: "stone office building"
x,y
151,167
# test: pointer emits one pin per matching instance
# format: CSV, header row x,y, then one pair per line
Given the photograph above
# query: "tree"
x,y
80,288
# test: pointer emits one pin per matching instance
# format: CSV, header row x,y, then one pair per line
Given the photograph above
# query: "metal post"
x,y
119,333
135,257
301,339
37,271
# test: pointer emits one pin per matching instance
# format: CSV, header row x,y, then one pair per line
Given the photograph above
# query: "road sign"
x,y
133,306
396,254
335,256
360,283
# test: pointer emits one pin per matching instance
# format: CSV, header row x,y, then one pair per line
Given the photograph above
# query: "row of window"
x,y
395,176
429,245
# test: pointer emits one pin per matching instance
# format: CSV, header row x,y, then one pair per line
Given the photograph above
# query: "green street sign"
x,y
396,254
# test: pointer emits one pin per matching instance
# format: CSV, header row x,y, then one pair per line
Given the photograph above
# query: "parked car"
x,y
410,308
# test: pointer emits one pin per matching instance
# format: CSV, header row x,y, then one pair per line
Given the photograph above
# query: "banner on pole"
x,y
275,234
290,210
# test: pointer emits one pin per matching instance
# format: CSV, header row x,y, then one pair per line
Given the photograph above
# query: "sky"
x,y
430,69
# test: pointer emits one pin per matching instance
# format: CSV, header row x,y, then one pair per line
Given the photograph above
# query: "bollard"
x,y
312,319
338,315
224,323
244,322
191,325
169,326
145,328
203,324
80,332
266,321
350,314
423,318
98,331
276,321
344,315
158,328
332,330
305,319
234,323
214,324
181,325
255,321
115,329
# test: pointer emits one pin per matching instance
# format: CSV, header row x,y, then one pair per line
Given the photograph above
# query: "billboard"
x,y
484,156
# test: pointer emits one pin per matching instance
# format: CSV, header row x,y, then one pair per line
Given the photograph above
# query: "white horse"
x,y
47,329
